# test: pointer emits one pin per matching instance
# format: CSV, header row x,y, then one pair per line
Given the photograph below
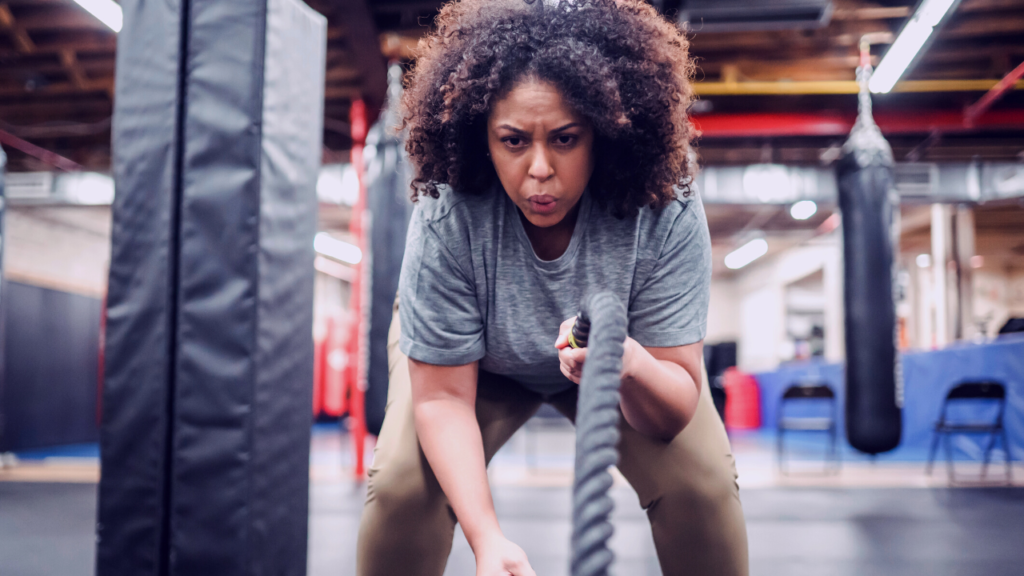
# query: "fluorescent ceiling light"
x,y
923,260
331,247
106,11
767,182
803,210
908,44
746,254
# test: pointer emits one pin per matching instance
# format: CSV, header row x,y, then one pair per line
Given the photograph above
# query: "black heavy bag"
x,y
388,174
869,206
207,403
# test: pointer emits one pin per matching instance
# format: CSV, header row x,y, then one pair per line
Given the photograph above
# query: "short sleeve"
x,y
440,318
671,306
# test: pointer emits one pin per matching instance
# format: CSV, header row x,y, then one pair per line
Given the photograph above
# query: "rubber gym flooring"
x,y
47,529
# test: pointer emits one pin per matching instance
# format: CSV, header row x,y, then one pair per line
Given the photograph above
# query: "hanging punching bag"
x,y
870,210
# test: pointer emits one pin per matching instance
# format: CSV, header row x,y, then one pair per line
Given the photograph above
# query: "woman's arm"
x,y
444,410
660,386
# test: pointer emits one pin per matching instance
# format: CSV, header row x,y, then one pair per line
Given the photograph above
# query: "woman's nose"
x,y
540,168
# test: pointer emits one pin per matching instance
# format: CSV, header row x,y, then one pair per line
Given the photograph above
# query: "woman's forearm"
x,y
450,437
658,396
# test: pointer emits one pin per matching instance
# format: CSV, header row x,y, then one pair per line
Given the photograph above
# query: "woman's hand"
x,y
570,360
499,556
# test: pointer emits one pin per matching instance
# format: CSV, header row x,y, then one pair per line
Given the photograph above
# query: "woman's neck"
x,y
551,242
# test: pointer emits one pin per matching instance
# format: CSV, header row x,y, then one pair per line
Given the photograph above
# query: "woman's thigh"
x,y
502,407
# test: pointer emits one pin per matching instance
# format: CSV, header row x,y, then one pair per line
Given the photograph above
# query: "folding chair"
x,y
812,391
989,390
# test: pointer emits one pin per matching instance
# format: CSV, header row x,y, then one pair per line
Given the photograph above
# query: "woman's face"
x,y
542,151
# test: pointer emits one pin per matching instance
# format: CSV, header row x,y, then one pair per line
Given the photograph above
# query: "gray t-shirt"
x,y
472,287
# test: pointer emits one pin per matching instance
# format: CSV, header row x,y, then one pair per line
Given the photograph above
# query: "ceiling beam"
x,y
16,30
69,61
61,88
871,13
67,17
969,26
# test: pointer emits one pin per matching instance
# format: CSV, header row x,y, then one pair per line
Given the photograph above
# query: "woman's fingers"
x,y
570,361
563,333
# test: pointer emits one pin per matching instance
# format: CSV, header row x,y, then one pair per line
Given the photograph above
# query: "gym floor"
x,y
871,518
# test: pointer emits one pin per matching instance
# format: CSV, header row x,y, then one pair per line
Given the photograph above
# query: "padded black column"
x,y
389,174
870,205
209,358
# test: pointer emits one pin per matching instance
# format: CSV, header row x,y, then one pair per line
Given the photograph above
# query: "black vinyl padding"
x,y
208,388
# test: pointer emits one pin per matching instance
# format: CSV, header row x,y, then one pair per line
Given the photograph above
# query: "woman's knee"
x,y
404,487
702,486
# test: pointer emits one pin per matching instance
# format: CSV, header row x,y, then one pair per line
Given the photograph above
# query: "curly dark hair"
x,y
617,63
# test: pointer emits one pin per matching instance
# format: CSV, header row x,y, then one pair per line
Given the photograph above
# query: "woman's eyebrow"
x,y
567,126
513,128
521,131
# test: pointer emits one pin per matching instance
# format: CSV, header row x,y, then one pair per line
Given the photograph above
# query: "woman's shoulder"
x,y
676,222
455,217
455,207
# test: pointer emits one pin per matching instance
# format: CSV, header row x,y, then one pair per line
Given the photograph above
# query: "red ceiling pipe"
x,y
995,93
839,124
51,158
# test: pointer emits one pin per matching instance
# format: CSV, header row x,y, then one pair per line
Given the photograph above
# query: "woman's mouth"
x,y
543,203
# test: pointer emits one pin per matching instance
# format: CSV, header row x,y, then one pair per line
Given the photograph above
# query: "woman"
x,y
550,144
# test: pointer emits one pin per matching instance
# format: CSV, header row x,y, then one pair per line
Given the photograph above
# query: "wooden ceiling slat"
x,y
55,41
60,17
971,25
61,88
16,29
70,63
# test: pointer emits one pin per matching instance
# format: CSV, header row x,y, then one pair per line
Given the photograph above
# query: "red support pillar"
x,y
358,340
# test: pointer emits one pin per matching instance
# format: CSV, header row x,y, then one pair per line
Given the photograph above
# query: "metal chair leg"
x,y
949,458
834,448
1009,458
780,451
988,454
931,452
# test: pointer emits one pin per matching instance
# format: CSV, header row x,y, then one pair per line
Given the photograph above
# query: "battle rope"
x,y
601,327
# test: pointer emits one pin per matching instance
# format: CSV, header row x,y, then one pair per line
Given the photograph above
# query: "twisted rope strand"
x,y
597,436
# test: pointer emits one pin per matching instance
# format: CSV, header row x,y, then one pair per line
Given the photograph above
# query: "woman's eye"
x,y
566,139
513,141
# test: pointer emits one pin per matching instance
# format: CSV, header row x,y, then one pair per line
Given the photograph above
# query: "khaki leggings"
x,y
688,486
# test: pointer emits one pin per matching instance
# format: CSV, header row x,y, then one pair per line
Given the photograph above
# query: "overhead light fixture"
x,y
746,254
768,183
803,210
923,260
908,44
106,11
331,247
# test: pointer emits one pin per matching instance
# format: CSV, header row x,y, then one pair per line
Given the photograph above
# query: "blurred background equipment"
x,y
817,404
209,351
949,424
388,176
